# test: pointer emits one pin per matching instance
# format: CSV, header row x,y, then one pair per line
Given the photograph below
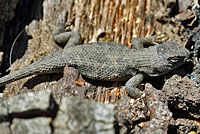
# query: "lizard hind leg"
x,y
69,38
139,43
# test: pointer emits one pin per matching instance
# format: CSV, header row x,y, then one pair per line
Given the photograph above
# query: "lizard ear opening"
x,y
160,50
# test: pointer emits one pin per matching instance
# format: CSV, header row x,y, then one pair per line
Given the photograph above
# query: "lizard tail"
x,y
49,64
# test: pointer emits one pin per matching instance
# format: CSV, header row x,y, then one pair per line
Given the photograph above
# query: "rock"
x,y
146,115
34,112
129,111
183,126
76,116
4,110
39,125
67,86
32,104
183,97
159,112
5,128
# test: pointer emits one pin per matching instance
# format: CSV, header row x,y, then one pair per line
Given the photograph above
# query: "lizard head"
x,y
170,55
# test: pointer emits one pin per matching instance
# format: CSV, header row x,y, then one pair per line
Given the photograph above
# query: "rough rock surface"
x,y
4,108
183,97
184,126
39,125
128,111
39,113
67,86
4,116
38,104
159,112
5,128
77,116
146,115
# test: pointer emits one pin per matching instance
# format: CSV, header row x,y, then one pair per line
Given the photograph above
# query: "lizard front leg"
x,y
131,86
139,43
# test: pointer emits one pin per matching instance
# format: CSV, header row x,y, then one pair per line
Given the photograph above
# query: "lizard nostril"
x,y
186,53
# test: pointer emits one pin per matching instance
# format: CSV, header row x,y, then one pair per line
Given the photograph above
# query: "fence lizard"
x,y
107,61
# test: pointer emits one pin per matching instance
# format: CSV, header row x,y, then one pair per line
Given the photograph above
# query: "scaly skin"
x,y
106,61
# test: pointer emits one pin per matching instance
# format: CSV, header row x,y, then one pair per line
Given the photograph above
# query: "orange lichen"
x,y
80,82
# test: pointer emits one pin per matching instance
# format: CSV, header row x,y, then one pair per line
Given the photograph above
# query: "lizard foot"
x,y
160,38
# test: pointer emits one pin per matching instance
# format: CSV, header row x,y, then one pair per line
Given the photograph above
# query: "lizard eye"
x,y
174,59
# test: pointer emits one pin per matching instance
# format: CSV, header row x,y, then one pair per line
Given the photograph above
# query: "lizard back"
x,y
101,61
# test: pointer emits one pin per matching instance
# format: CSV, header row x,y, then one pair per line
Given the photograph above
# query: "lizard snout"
x,y
187,53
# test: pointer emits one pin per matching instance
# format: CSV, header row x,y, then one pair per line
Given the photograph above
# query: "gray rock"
x,y
129,110
5,128
184,126
183,97
160,113
40,125
3,110
80,116
32,105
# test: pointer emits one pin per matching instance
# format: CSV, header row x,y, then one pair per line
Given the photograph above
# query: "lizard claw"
x,y
160,38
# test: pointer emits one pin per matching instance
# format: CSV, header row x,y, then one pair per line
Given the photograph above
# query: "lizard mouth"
x,y
173,63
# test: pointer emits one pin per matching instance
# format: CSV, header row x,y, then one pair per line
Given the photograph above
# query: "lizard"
x,y
108,61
